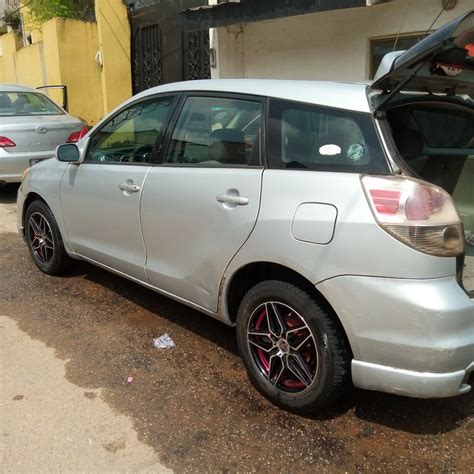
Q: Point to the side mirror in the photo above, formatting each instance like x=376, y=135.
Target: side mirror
x=68, y=153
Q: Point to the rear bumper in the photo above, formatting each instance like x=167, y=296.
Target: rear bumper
x=410, y=383
x=12, y=165
x=410, y=337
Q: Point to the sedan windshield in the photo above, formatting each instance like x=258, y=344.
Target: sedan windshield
x=27, y=103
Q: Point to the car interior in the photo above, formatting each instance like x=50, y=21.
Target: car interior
x=227, y=135
x=26, y=103
x=316, y=138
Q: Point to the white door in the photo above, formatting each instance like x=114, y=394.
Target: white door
x=100, y=198
x=201, y=204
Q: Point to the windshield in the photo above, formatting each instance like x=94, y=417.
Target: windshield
x=27, y=103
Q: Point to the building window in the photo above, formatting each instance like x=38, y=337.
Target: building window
x=380, y=47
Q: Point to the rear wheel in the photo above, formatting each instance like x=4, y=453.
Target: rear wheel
x=44, y=239
x=294, y=353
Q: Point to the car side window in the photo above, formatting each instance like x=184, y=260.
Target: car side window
x=306, y=136
x=130, y=136
x=216, y=131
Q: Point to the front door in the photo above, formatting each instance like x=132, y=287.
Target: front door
x=100, y=198
x=200, y=205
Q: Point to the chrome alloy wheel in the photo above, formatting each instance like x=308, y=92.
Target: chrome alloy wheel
x=283, y=347
x=40, y=236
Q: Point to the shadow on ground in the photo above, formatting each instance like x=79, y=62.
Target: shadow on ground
x=8, y=193
x=401, y=413
x=194, y=405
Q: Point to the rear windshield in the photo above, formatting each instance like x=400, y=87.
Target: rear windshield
x=27, y=103
x=311, y=137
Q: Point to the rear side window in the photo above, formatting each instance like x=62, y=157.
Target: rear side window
x=305, y=136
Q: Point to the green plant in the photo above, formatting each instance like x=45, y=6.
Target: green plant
x=43, y=10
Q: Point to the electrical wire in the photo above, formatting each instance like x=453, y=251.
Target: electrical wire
x=436, y=19
x=401, y=26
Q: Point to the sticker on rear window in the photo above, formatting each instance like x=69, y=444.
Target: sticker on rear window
x=355, y=152
x=330, y=150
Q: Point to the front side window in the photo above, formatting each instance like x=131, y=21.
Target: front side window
x=214, y=131
x=304, y=136
x=130, y=136
x=27, y=103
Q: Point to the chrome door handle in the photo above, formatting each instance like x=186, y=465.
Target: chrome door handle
x=230, y=199
x=130, y=188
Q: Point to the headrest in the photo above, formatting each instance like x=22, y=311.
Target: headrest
x=233, y=135
x=5, y=101
x=227, y=145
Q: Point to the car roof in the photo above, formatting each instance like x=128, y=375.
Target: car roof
x=344, y=95
x=16, y=88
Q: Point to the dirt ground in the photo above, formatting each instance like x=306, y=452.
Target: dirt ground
x=189, y=408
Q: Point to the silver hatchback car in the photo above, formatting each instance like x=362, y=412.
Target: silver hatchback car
x=329, y=222
x=31, y=127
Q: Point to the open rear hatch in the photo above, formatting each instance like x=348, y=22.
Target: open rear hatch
x=443, y=62
x=426, y=95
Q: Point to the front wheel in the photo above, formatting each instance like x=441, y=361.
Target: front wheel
x=294, y=353
x=44, y=239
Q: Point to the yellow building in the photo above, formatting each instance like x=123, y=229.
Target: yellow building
x=91, y=58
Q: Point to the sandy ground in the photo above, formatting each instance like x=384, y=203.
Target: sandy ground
x=49, y=424
x=69, y=344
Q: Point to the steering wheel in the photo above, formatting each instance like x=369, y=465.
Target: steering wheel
x=141, y=154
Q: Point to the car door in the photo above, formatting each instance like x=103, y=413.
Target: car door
x=201, y=203
x=100, y=197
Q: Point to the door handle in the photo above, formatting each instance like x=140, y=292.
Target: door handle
x=230, y=199
x=129, y=188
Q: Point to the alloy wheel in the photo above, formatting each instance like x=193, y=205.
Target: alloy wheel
x=41, y=238
x=283, y=347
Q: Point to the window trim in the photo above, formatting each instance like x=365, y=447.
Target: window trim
x=218, y=95
x=159, y=139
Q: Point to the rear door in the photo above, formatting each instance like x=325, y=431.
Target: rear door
x=200, y=205
x=100, y=198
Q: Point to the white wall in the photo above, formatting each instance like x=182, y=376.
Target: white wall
x=327, y=45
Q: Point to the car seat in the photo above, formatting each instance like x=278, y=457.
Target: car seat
x=227, y=146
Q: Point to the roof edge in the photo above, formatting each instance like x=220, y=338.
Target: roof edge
x=246, y=11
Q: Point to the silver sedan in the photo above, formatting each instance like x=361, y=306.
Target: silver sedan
x=31, y=127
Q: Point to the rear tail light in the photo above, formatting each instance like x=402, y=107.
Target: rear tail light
x=416, y=213
x=76, y=136
x=6, y=143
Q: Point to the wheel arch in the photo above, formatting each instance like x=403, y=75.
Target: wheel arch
x=31, y=197
x=253, y=273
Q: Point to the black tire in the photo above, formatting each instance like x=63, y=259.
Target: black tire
x=326, y=357
x=46, y=245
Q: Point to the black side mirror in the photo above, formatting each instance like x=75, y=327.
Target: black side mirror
x=68, y=153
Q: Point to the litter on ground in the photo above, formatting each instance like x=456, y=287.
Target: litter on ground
x=163, y=342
